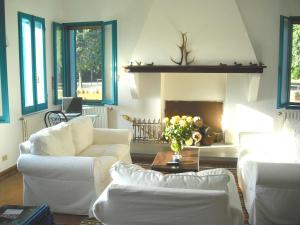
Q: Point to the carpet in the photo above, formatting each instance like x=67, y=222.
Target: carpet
x=93, y=221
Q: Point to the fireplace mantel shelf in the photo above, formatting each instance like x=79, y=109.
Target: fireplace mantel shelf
x=195, y=69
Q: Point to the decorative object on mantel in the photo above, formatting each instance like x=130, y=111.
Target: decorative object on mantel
x=139, y=63
x=221, y=68
x=183, y=51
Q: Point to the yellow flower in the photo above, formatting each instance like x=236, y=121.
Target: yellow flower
x=184, y=117
x=189, y=119
x=189, y=141
x=198, y=121
x=182, y=123
x=166, y=120
x=175, y=119
x=197, y=137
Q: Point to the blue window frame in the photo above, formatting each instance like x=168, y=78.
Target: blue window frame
x=32, y=63
x=289, y=63
x=89, y=61
x=58, y=63
x=4, y=105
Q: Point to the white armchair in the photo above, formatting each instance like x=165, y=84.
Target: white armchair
x=269, y=176
x=69, y=177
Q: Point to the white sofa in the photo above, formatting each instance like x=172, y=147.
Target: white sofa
x=143, y=197
x=67, y=165
x=269, y=175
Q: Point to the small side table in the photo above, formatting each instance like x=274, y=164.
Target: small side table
x=31, y=215
x=188, y=163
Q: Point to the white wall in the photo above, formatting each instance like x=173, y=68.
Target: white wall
x=148, y=30
x=11, y=133
x=194, y=87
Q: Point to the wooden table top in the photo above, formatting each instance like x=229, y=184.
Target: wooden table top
x=189, y=161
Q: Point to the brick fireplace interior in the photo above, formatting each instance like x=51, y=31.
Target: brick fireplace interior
x=210, y=112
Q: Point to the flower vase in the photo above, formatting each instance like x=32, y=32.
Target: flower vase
x=176, y=157
x=176, y=147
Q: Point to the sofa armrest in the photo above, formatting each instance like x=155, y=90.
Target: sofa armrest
x=280, y=175
x=54, y=167
x=112, y=136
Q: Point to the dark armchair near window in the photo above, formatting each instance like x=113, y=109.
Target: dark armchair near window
x=52, y=118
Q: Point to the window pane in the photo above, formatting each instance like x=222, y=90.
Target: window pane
x=108, y=63
x=72, y=63
x=27, y=62
x=88, y=63
x=39, y=54
x=59, y=62
x=1, y=111
x=295, y=65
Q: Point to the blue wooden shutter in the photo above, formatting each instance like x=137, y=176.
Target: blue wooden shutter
x=110, y=88
x=284, y=62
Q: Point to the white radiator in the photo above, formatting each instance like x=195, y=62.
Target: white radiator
x=99, y=115
x=31, y=124
x=291, y=114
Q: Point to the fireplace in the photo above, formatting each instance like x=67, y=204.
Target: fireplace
x=210, y=111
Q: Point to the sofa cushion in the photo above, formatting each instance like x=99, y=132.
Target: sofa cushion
x=130, y=174
x=55, y=141
x=117, y=150
x=82, y=132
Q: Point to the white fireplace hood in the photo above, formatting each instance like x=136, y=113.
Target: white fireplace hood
x=216, y=34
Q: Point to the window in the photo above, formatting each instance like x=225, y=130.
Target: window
x=85, y=61
x=289, y=63
x=4, y=106
x=32, y=63
x=58, y=62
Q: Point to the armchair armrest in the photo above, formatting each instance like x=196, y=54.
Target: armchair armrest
x=112, y=136
x=280, y=175
x=54, y=167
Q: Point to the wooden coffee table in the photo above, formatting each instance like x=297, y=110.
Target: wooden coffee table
x=189, y=161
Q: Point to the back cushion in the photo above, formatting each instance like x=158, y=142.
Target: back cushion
x=82, y=132
x=56, y=141
x=131, y=174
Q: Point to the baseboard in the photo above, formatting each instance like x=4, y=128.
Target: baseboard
x=8, y=172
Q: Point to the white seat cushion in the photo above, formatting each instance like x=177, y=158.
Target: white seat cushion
x=82, y=132
x=54, y=141
x=130, y=174
x=117, y=150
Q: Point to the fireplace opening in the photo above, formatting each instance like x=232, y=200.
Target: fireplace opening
x=210, y=112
